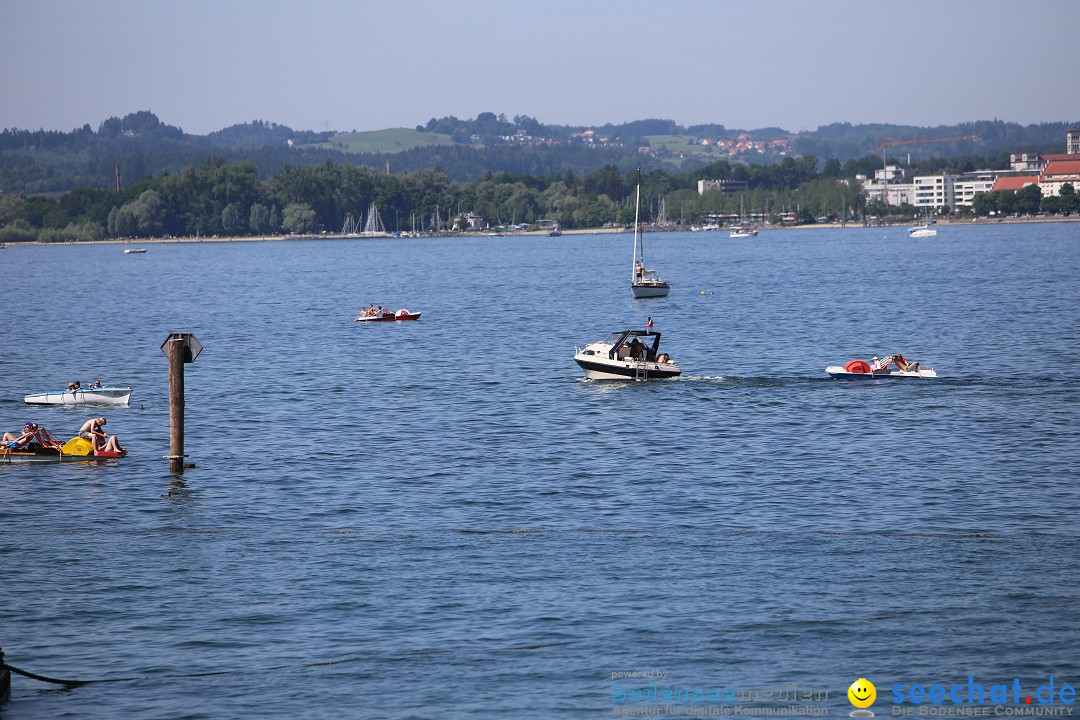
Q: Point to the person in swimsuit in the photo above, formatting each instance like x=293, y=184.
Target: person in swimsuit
x=92, y=431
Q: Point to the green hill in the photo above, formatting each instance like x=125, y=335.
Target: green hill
x=394, y=140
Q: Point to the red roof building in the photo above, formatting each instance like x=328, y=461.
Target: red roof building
x=1058, y=173
x=1014, y=182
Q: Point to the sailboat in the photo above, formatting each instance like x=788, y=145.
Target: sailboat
x=743, y=230
x=923, y=230
x=374, y=224
x=643, y=283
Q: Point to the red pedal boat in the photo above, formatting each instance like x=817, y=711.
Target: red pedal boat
x=388, y=316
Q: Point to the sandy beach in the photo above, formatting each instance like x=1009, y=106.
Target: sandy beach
x=535, y=233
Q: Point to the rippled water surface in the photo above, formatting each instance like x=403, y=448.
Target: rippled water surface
x=443, y=519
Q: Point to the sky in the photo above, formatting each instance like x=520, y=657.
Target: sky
x=203, y=65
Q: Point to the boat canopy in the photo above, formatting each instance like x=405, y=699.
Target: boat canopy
x=618, y=338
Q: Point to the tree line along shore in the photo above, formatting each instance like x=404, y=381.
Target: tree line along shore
x=217, y=198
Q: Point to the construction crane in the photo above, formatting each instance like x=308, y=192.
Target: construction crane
x=891, y=143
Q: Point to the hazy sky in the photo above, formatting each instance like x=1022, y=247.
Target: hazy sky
x=339, y=64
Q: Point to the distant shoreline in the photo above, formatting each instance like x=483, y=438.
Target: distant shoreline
x=532, y=233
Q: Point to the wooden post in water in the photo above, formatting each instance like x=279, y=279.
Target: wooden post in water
x=179, y=348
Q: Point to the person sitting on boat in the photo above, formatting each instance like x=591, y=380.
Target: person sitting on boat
x=74, y=386
x=92, y=431
x=32, y=434
x=96, y=384
x=903, y=365
x=637, y=349
x=363, y=313
x=13, y=441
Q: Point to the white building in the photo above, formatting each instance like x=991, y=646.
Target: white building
x=890, y=173
x=1025, y=162
x=898, y=193
x=968, y=184
x=1072, y=141
x=728, y=187
x=955, y=191
x=934, y=191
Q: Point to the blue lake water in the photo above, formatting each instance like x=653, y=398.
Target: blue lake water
x=443, y=519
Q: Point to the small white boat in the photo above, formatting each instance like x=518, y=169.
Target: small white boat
x=643, y=282
x=743, y=232
x=862, y=370
x=616, y=359
x=921, y=231
x=114, y=396
x=134, y=251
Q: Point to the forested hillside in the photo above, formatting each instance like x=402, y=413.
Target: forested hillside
x=37, y=162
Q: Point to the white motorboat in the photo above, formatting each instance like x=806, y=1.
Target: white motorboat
x=862, y=370
x=643, y=282
x=921, y=231
x=626, y=355
x=115, y=396
x=134, y=251
x=743, y=232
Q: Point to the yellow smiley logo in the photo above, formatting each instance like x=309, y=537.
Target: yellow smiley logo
x=862, y=693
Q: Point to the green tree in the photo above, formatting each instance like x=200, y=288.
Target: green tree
x=1028, y=200
x=259, y=219
x=299, y=218
x=982, y=203
x=122, y=222
x=149, y=213
x=231, y=219
x=1070, y=201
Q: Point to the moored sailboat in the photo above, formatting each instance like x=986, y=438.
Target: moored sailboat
x=643, y=282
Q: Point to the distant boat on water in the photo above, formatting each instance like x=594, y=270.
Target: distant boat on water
x=134, y=251
x=643, y=282
x=743, y=232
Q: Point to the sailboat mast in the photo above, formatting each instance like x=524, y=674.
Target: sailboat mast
x=637, y=208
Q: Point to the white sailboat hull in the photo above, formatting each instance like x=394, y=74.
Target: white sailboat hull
x=650, y=290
